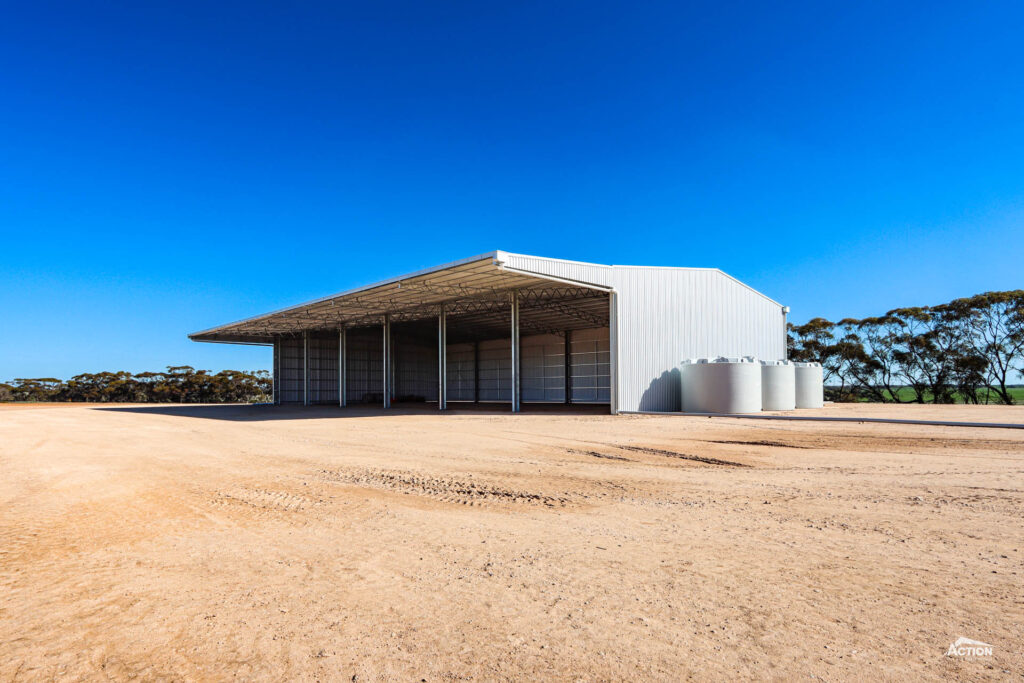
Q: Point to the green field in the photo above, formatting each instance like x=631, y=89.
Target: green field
x=1017, y=392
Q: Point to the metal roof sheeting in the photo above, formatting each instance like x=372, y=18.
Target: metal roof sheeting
x=476, y=291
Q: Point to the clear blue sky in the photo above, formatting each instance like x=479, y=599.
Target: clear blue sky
x=166, y=167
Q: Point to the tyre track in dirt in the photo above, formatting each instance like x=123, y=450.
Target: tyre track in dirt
x=446, y=489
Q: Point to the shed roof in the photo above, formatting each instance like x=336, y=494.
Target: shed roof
x=555, y=295
x=478, y=288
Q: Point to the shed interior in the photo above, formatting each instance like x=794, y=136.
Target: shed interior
x=571, y=365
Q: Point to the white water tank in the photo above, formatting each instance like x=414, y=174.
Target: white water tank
x=778, y=385
x=721, y=385
x=810, y=389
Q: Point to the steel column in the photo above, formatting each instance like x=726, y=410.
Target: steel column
x=568, y=367
x=342, y=361
x=515, y=351
x=442, y=360
x=476, y=372
x=613, y=352
x=785, y=333
x=386, y=379
x=305, y=368
x=275, y=380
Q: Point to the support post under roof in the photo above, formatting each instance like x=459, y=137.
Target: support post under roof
x=342, y=362
x=613, y=352
x=442, y=359
x=386, y=379
x=515, y=351
x=476, y=371
x=305, y=368
x=568, y=368
x=277, y=372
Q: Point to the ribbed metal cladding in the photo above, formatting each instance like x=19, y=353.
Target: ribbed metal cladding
x=415, y=369
x=323, y=369
x=364, y=366
x=290, y=370
x=664, y=315
x=461, y=365
x=495, y=371
x=590, y=366
x=543, y=369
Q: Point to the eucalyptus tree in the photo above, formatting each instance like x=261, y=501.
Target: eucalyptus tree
x=995, y=324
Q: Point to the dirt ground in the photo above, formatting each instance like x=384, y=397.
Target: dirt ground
x=221, y=542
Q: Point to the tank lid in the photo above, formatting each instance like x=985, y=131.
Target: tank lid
x=777, y=362
x=719, y=359
x=810, y=364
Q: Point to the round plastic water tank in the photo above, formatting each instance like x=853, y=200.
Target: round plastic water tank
x=810, y=390
x=778, y=385
x=722, y=385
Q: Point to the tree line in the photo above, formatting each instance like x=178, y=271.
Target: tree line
x=968, y=350
x=179, y=384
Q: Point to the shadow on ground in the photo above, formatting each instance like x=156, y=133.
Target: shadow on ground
x=261, y=412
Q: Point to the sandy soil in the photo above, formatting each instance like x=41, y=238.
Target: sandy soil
x=266, y=543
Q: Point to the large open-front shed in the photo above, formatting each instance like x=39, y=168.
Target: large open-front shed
x=513, y=329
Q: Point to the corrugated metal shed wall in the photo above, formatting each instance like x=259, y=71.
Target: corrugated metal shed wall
x=590, y=374
x=364, y=373
x=543, y=368
x=667, y=314
x=415, y=369
x=323, y=369
x=291, y=370
x=461, y=365
x=495, y=371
